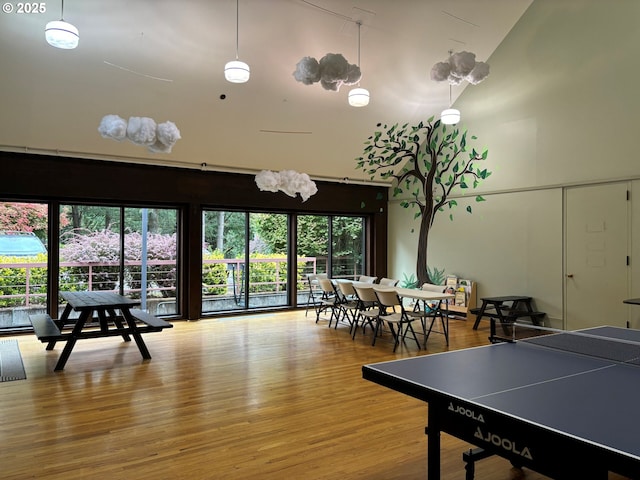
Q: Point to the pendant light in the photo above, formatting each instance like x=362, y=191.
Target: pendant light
x=237, y=71
x=450, y=116
x=61, y=34
x=359, y=97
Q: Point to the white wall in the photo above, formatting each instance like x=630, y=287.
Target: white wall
x=559, y=108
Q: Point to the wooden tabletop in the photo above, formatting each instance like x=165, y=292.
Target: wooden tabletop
x=507, y=298
x=97, y=300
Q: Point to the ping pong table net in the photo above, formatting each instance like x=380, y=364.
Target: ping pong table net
x=581, y=342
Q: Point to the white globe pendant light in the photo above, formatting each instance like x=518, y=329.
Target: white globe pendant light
x=450, y=116
x=236, y=71
x=61, y=34
x=358, y=97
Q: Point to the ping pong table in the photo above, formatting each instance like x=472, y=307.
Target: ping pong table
x=566, y=404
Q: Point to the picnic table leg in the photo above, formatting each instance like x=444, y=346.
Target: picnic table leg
x=479, y=316
x=60, y=324
x=71, y=340
x=118, y=324
x=137, y=336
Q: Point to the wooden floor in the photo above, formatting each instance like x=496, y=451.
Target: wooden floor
x=272, y=396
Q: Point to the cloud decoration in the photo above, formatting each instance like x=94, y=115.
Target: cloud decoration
x=143, y=131
x=114, y=127
x=332, y=71
x=167, y=134
x=459, y=67
x=287, y=181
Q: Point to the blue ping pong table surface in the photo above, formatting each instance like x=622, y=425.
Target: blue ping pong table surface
x=591, y=401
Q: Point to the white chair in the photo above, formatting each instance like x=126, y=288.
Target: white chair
x=389, y=299
x=314, y=290
x=328, y=300
x=367, y=279
x=368, y=310
x=347, y=302
x=389, y=282
x=429, y=311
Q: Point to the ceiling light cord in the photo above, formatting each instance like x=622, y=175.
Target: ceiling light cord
x=359, y=25
x=237, y=27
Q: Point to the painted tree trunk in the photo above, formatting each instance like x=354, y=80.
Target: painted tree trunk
x=423, y=240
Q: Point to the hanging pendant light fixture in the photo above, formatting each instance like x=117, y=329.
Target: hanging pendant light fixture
x=61, y=34
x=359, y=97
x=450, y=116
x=236, y=71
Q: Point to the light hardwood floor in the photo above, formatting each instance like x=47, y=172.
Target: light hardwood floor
x=269, y=396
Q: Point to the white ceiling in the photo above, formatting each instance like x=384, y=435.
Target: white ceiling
x=165, y=60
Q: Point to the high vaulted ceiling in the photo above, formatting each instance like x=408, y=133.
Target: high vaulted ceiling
x=165, y=60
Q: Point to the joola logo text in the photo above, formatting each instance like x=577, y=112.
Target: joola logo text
x=466, y=412
x=504, y=443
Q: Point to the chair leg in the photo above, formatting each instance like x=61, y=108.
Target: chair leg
x=409, y=326
x=445, y=327
x=311, y=301
x=396, y=335
x=375, y=334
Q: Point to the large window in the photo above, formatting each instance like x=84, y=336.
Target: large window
x=347, y=247
x=332, y=245
x=247, y=261
x=244, y=261
x=129, y=250
x=23, y=262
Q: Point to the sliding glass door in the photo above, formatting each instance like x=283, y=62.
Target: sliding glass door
x=347, y=247
x=128, y=250
x=244, y=262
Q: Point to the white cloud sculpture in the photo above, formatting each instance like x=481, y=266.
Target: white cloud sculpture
x=332, y=71
x=459, y=67
x=287, y=181
x=158, y=138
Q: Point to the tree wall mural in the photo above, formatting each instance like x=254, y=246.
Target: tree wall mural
x=428, y=162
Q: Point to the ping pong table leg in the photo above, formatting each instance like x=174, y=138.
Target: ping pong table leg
x=433, y=443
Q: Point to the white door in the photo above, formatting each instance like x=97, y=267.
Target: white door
x=596, y=271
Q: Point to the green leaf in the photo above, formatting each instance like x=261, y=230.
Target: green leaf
x=451, y=217
x=417, y=214
x=479, y=198
x=485, y=154
x=463, y=185
x=453, y=203
x=469, y=209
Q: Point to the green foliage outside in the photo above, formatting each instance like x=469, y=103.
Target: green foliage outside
x=214, y=274
x=13, y=281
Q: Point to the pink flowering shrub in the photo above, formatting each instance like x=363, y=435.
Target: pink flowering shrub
x=104, y=247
